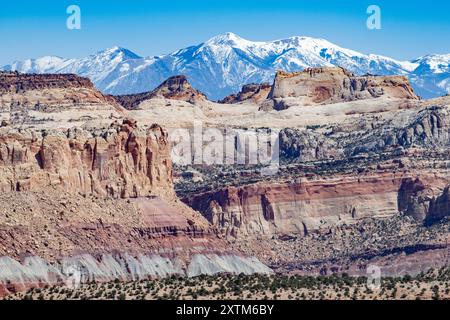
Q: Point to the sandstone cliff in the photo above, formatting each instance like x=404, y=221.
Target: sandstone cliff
x=316, y=86
x=19, y=83
x=304, y=206
x=255, y=93
x=53, y=101
x=101, y=202
x=123, y=161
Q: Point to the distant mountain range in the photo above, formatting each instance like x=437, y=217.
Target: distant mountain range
x=221, y=65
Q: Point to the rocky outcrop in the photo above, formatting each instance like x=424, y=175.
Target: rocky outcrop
x=428, y=202
x=253, y=92
x=439, y=207
x=122, y=161
x=429, y=128
x=303, y=206
x=19, y=83
x=414, y=198
x=104, y=240
x=100, y=202
x=317, y=86
x=53, y=101
x=82, y=185
x=307, y=145
x=426, y=128
x=45, y=90
x=175, y=88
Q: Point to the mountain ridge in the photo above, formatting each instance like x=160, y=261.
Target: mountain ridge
x=223, y=64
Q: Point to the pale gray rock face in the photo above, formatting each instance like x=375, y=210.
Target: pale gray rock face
x=77, y=270
x=307, y=145
x=428, y=127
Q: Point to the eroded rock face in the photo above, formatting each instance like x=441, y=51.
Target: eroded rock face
x=123, y=161
x=430, y=128
x=44, y=91
x=414, y=198
x=53, y=101
x=439, y=207
x=425, y=128
x=101, y=201
x=299, y=207
x=315, y=86
x=19, y=83
x=48, y=234
x=83, y=185
x=255, y=93
x=175, y=88
x=307, y=145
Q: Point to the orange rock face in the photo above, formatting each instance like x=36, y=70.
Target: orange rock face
x=123, y=161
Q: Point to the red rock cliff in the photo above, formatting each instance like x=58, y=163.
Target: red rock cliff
x=267, y=209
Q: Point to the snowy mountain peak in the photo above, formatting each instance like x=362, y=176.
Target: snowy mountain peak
x=228, y=38
x=117, y=51
x=436, y=63
x=40, y=65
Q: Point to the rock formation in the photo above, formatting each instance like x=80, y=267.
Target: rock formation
x=19, y=83
x=307, y=145
x=85, y=188
x=32, y=90
x=439, y=207
x=53, y=101
x=316, y=86
x=122, y=161
x=253, y=92
x=304, y=206
x=175, y=88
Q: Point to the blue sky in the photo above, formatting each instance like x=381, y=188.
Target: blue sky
x=36, y=28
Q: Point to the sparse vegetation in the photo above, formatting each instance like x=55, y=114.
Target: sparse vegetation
x=429, y=285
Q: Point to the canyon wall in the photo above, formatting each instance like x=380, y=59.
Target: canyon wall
x=102, y=203
x=19, y=83
x=123, y=161
x=303, y=206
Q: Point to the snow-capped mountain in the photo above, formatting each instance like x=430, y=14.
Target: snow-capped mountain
x=432, y=75
x=224, y=63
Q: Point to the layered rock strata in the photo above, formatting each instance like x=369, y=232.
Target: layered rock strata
x=307, y=205
x=100, y=203
x=122, y=161
x=87, y=192
x=317, y=86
